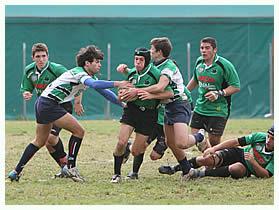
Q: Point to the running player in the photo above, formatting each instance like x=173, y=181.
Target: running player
x=49, y=110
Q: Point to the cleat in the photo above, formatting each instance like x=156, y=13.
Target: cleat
x=61, y=175
x=116, y=178
x=203, y=145
x=72, y=173
x=166, y=170
x=13, y=176
x=132, y=176
x=127, y=152
x=187, y=177
x=195, y=173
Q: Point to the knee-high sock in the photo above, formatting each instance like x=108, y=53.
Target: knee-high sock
x=117, y=164
x=28, y=153
x=74, y=145
x=218, y=172
x=185, y=166
x=137, y=162
x=59, y=155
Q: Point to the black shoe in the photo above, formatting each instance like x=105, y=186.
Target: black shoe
x=127, y=152
x=132, y=175
x=167, y=170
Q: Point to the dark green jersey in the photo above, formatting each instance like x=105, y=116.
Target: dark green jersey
x=149, y=76
x=33, y=79
x=188, y=94
x=256, y=146
x=217, y=76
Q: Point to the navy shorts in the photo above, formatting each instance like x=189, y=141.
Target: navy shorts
x=48, y=110
x=213, y=125
x=68, y=106
x=143, y=120
x=177, y=112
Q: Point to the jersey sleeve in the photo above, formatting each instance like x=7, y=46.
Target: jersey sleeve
x=26, y=84
x=198, y=61
x=60, y=69
x=250, y=139
x=270, y=166
x=81, y=77
x=231, y=75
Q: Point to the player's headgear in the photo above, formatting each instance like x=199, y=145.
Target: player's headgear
x=141, y=51
x=270, y=131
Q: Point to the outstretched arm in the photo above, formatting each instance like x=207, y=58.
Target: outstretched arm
x=109, y=95
x=224, y=145
x=104, y=84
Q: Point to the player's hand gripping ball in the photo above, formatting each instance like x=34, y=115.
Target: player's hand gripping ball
x=127, y=94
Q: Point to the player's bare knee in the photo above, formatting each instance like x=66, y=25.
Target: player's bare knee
x=237, y=170
x=155, y=156
x=182, y=145
x=137, y=151
x=78, y=132
x=122, y=142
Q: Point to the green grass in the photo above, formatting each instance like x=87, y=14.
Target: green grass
x=95, y=162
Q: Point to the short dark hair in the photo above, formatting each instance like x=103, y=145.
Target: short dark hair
x=211, y=41
x=88, y=53
x=39, y=47
x=163, y=44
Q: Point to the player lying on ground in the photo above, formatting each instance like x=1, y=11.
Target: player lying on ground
x=228, y=159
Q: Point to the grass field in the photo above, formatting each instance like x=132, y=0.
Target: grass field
x=95, y=162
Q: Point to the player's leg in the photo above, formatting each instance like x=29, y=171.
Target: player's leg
x=118, y=154
x=42, y=133
x=137, y=150
x=215, y=127
x=178, y=153
x=160, y=146
x=55, y=147
x=69, y=123
x=224, y=163
x=199, y=122
x=54, y=143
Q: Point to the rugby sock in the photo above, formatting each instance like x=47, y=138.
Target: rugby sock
x=117, y=164
x=28, y=153
x=59, y=155
x=218, y=172
x=177, y=168
x=198, y=137
x=193, y=163
x=185, y=166
x=74, y=145
x=137, y=162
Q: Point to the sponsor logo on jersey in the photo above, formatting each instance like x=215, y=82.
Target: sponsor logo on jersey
x=134, y=81
x=200, y=69
x=47, y=79
x=34, y=78
x=147, y=82
x=214, y=71
x=206, y=79
x=40, y=86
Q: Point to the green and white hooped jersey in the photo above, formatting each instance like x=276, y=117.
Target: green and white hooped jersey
x=67, y=86
x=217, y=76
x=169, y=69
x=256, y=146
